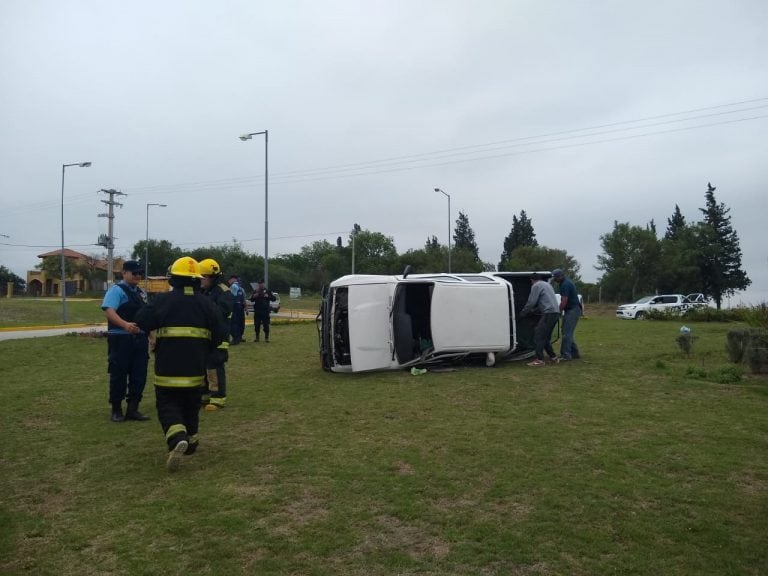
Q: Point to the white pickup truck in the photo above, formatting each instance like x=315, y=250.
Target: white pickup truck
x=371, y=322
x=667, y=303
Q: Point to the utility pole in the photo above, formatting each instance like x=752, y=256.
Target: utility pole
x=108, y=241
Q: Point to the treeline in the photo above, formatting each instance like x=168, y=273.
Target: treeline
x=702, y=256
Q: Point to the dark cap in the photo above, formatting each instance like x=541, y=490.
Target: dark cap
x=557, y=273
x=233, y=276
x=133, y=266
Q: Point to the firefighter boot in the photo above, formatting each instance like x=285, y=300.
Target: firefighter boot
x=117, y=412
x=132, y=413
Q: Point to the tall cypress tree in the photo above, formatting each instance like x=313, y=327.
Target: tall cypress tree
x=720, y=253
x=675, y=225
x=464, y=236
x=521, y=234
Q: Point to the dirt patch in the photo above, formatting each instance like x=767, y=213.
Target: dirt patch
x=390, y=533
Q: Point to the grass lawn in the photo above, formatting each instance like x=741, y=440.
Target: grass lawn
x=635, y=460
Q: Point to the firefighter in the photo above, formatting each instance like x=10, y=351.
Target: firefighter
x=213, y=286
x=127, y=345
x=188, y=328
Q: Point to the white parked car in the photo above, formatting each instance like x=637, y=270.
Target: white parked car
x=371, y=322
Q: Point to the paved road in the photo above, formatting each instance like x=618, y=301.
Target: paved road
x=7, y=334
x=39, y=333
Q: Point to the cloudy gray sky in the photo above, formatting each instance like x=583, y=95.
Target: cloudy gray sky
x=579, y=112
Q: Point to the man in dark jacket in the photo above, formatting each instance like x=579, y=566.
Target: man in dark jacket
x=188, y=327
x=261, y=299
x=570, y=307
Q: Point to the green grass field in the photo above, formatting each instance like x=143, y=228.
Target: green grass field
x=635, y=460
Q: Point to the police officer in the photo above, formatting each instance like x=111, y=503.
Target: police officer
x=127, y=344
x=213, y=286
x=188, y=328
x=237, y=325
x=261, y=298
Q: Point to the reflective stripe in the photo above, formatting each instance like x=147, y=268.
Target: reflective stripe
x=179, y=381
x=218, y=401
x=223, y=346
x=175, y=429
x=183, y=332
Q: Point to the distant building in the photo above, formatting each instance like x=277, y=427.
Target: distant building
x=38, y=284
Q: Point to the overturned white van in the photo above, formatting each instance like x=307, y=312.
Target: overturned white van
x=371, y=322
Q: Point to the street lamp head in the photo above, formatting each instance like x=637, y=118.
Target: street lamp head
x=438, y=190
x=84, y=164
x=163, y=205
x=245, y=137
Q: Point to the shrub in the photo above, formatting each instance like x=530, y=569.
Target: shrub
x=685, y=342
x=756, y=316
x=757, y=352
x=696, y=372
x=736, y=344
x=729, y=374
x=706, y=314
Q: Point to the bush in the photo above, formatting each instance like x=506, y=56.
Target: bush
x=757, y=352
x=685, y=342
x=728, y=374
x=749, y=345
x=706, y=314
x=736, y=344
x=756, y=316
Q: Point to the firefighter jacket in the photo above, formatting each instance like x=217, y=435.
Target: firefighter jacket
x=188, y=327
x=221, y=296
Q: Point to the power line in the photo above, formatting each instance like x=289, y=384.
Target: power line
x=303, y=175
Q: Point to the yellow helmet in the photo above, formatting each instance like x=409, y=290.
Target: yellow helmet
x=185, y=266
x=209, y=267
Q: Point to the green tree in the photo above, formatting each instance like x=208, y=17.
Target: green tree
x=521, y=234
x=720, y=253
x=19, y=284
x=630, y=261
x=675, y=225
x=375, y=253
x=51, y=265
x=464, y=237
x=431, y=258
x=162, y=254
x=679, y=256
x=541, y=258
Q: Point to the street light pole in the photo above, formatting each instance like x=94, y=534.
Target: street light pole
x=245, y=137
x=63, y=283
x=449, y=226
x=146, y=247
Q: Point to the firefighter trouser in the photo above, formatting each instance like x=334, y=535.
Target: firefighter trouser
x=216, y=377
x=127, y=360
x=178, y=410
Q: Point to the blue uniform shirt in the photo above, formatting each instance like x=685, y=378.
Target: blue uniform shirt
x=114, y=298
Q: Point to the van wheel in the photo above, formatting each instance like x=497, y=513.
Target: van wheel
x=640, y=316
